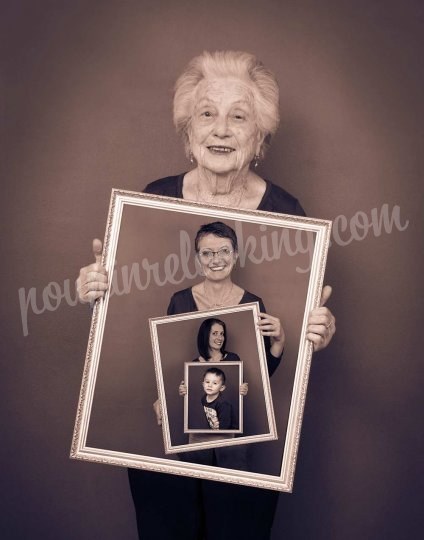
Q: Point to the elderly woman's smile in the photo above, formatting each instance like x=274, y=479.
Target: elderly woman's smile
x=221, y=149
x=224, y=137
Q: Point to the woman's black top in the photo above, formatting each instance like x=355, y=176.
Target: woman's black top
x=183, y=302
x=275, y=198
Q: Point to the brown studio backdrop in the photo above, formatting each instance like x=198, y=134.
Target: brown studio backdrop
x=87, y=108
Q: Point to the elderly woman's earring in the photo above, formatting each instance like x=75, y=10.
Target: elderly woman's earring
x=191, y=157
x=256, y=161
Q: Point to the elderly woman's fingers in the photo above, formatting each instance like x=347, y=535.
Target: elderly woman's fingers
x=325, y=295
x=318, y=341
x=321, y=334
x=321, y=323
x=326, y=319
x=95, y=274
x=320, y=315
x=92, y=281
x=92, y=296
x=97, y=250
x=88, y=291
x=319, y=329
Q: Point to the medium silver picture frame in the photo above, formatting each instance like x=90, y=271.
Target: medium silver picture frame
x=241, y=323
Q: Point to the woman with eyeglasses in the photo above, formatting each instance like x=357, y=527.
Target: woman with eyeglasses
x=217, y=252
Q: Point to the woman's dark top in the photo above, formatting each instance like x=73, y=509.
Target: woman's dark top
x=183, y=302
x=275, y=199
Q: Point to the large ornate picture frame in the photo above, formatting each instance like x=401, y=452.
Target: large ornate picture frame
x=149, y=255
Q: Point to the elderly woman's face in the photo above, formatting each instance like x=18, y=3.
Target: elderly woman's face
x=216, y=256
x=223, y=135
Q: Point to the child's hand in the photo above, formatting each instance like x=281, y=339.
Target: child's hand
x=158, y=412
x=244, y=387
x=182, y=389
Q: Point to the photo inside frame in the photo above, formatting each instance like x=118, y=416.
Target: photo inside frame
x=187, y=420
x=202, y=417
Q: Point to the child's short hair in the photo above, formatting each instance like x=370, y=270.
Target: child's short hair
x=215, y=371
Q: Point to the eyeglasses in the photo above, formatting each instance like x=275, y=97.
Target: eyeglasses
x=208, y=254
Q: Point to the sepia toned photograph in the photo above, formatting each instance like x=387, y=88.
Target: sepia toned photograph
x=279, y=108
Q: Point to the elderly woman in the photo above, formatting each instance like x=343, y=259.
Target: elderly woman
x=226, y=109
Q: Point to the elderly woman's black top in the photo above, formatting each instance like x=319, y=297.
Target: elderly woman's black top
x=275, y=199
x=149, y=489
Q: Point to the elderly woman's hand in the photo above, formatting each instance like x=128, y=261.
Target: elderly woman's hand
x=182, y=389
x=92, y=281
x=271, y=326
x=321, y=323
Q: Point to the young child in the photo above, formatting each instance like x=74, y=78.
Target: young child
x=218, y=411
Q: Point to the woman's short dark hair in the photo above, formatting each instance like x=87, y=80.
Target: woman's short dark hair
x=204, y=333
x=217, y=228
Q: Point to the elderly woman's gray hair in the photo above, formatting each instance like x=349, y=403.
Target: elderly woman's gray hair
x=238, y=64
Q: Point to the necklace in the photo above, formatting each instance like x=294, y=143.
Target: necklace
x=222, y=301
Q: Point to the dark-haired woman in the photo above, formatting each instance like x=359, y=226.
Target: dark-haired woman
x=216, y=250
x=211, y=344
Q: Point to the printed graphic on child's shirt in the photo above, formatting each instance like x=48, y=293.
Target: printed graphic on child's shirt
x=212, y=417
